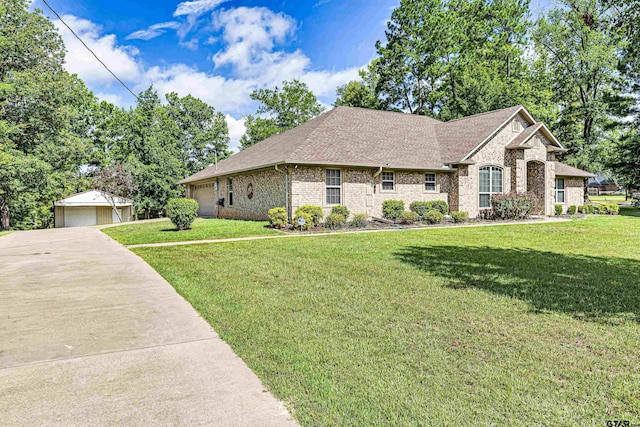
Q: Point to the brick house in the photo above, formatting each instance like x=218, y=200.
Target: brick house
x=359, y=158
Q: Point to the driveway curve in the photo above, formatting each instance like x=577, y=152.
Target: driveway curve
x=91, y=335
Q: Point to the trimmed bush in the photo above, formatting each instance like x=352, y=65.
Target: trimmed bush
x=359, y=221
x=583, y=209
x=636, y=201
x=334, y=221
x=572, y=210
x=487, y=214
x=591, y=209
x=340, y=210
x=409, y=217
x=513, y=205
x=314, y=211
x=308, y=220
x=277, y=217
x=182, y=212
x=609, y=209
x=392, y=209
x=420, y=207
x=461, y=216
x=434, y=217
x=558, y=209
x=439, y=205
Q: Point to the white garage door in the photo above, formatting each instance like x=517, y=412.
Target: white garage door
x=205, y=195
x=79, y=216
x=116, y=216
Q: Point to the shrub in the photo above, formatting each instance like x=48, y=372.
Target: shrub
x=571, y=210
x=636, y=201
x=182, y=212
x=583, y=209
x=392, y=209
x=334, y=221
x=513, y=205
x=609, y=209
x=308, y=220
x=277, y=217
x=591, y=209
x=434, y=217
x=439, y=205
x=314, y=211
x=359, y=221
x=558, y=209
x=409, y=217
x=420, y=207
x=461, y=216
x=486, y=214
x=340, y=210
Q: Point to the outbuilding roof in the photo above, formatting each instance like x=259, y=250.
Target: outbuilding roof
x=93, y=198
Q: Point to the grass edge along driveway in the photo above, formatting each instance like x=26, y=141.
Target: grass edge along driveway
x=530, y=325
x=202, y=229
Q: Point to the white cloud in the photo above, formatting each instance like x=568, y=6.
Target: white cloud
x=109, y=97
x=121, y=59
x=196, y=7
x=250, y=35
x=324, y=83
x=236, y=130
x=153, y=31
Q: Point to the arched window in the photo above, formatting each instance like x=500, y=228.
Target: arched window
x=490, y=178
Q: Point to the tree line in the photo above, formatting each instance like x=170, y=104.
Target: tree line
x=574, y=67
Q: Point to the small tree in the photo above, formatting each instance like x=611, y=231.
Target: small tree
x=115, y=182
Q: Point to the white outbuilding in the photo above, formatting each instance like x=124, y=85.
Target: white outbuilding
x=91, y=208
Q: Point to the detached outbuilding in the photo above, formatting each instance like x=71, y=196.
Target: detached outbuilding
x=91, y=208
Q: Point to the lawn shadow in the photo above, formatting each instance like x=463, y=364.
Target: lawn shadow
x=586, y=287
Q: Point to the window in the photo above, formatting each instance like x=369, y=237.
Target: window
x=230, y=191
x=515, y=126
x=388, y=180
x=333, y=186
x=559, y=190
x=490, y=183
x=430, y=182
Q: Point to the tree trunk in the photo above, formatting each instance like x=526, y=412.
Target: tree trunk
x=4, y=216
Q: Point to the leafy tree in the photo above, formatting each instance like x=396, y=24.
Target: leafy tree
x=580, y=48
x=203, y=131
x=115, y=181
x=43, y=126
x=359, y=93
x=280, y=109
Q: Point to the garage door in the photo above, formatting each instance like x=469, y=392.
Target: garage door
x=205, y=195
x=80, y=216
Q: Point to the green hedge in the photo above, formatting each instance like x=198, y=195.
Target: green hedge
x=277, y=217
x=434, y=217
x=334, y=221
x=512, y=205
x=392, y=209
x=315, y=212
x=572, y=210
x=182, y=212
x=340, y=210
x=461, y=216
x=558, y=209
x=359, y=221
x=409, y=217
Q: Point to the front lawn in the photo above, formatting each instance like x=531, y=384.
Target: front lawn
x=203, y=229
x=608, y=198
x=507, y=325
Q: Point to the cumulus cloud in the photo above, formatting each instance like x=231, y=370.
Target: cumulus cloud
x=153, y=31
x=196, y=7
x=121, y=59
x=236, y=130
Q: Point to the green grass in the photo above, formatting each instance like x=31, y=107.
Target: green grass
x=507, y=325
x=203, y=229
x=3, y=233
x=610, y=198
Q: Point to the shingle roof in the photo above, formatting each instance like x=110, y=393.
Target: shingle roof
x=343, y=136
x=362, y=137
x=524, y=135
x=566, y=170
x=461, y=136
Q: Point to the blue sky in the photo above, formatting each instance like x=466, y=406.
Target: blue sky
x=220, y=50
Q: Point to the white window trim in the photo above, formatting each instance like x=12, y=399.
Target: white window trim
x=382, y=181
x=515, y=125
x=324, y=195
x=229, y=192
x=564, y=191
x=424, y=186
x=491, y=192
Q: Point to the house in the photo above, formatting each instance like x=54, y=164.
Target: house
x=360, y=157
x=91, y=208
x=601, y=185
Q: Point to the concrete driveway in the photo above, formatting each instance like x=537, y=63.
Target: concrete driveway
x=91, y=335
